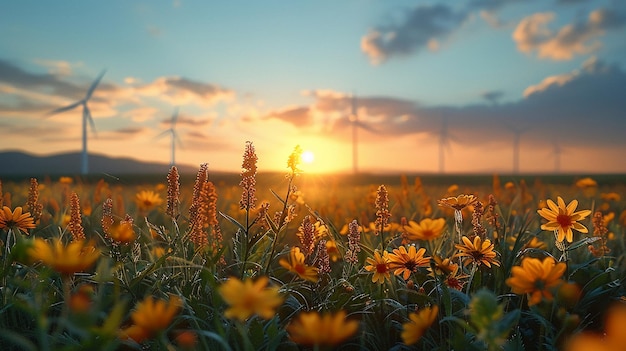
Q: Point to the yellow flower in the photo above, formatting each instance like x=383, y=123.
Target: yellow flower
x=443, y=267
x=66, y=180
x=585, y=183
x=16, y=219
x=536, y=278
x=613, y=196
x=296, y=265
x=379, y=264
x=152, y=316
x=562, y=218
x=327, y=329
x=418, y=324
x=406, y=262
x=147, y=199
x=123, y=232
x=77, y=256
x=248, y=298
x=479, y=252
x=457, y=202
x=427, y=229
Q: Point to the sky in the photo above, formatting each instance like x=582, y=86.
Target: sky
x=436, y=86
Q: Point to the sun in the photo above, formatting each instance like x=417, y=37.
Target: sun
x=307, y=157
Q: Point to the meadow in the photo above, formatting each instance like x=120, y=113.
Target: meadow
x=297, y=261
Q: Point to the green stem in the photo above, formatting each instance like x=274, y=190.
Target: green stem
x=469, y=283
x=283, y=215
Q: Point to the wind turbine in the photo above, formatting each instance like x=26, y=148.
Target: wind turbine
x=87, y=118
x=354, y=120
x=444, y=142
x=175, y=139
x=517, y=134
x=557, y=150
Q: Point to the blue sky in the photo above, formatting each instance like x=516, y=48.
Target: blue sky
x=281, y=73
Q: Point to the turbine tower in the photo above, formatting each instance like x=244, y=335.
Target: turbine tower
x=517, y=134
x=354, y=120
x=87, y=118
x=444, y=143
x=174, y=136
x=557, y=151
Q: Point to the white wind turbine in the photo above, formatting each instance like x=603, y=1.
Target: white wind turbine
x=557, y=150
x=174, y=136
x=353, y=118
x=517, y=134
x=87, y=118
x=444, y=142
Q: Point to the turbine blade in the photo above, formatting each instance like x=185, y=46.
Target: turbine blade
x=163, y=133
x=365, y=126
x=94, y=85
x=87, y=114
x=178, y=141
x=64, y=108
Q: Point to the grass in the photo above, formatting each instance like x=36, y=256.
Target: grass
x=174, y=268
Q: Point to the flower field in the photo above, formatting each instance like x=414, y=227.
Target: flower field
x=301, y=262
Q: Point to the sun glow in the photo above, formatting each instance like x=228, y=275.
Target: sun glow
x=308, y=157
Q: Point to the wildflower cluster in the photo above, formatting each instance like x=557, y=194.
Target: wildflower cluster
x=380, y=267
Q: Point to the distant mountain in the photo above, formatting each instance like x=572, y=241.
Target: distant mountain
x=16, y=163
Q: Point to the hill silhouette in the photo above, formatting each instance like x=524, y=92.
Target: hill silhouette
x=17, y=163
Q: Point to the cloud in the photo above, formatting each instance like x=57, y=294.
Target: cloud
x=186, y=120
x=181, y=91
x=57, y=67
x=154, y=31
x=423, y=27
x=492, y=96
x=533, y=35
x=582, y=107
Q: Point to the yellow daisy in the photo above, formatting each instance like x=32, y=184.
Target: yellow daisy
x=321, y=329
x=404, y=262
x=427, y=229
x=418, y=324
x=563, y=219
x=296, y=265
x=379, y=264
x=536, y=278
x=479, y=252
x=249, y=297
x=77, y=256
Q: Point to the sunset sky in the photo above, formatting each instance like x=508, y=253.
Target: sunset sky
x=281, y=73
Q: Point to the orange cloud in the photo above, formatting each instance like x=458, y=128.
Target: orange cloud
x=532, y=34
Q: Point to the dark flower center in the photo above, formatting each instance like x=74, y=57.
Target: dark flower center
x=381, y=268
x=564, y=220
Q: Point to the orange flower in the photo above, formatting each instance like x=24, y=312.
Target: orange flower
x=151, y=316
x=147, y=200
x=248, y=298
x=16, y=219
x=478, y=252
x=326, y=329
x=443, y=267
x=536, y=278
x=122, y=232
x=406, y=262
x=457, y=202
x=563, y=219
x=296, y=265
x=418, y=324
x=427, y=229
x=379, y=264
x=77, y=256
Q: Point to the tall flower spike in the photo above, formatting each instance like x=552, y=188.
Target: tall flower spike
x=477, y=215
x=76, y=227
x=354, y=242
x=197, y=210
x=382, y=209
x=306, y=234
x=248, y=178
x=294, y=160
x=33, y=206
x=323, y=259
x=107, y=216
x=173, y=192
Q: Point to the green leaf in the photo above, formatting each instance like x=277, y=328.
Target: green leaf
x=233, y=221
